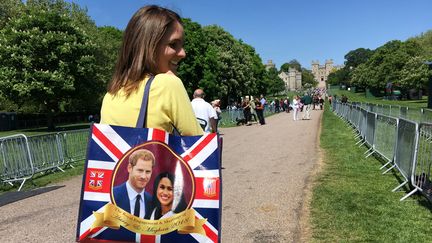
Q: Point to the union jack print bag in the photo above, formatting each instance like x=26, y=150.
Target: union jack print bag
x=107, y=204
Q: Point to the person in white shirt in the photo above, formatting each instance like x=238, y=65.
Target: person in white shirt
x=204, y=112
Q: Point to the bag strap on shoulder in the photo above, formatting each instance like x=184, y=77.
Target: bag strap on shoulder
x=142, y=117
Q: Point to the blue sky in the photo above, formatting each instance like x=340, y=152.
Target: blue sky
x=283, y=30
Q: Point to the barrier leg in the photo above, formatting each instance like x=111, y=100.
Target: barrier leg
x=389, y=169
x=22, y=184
x=368, y=151
x=398, y=187
x=409, y=194
x=373, y=151
x=358, y=136
x=382, y=167
x=58, y=167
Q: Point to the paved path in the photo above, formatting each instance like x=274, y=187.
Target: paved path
x=266, y=171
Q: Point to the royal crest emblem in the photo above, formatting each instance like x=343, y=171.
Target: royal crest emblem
x=96, y=180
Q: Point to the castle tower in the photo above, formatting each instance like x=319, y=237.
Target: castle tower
x=315, y=70
x=328, y=67
x=269, y=65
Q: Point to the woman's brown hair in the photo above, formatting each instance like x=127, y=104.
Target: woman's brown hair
x=141, y=39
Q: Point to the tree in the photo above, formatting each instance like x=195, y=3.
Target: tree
x=357, y=57
x=274, y=82
x=415, y=74
x=9, y=9
x=341, y=76
x=425, y=41
x=308, y=78
x=108, y=40
x=291, y=64
x=191, y=69
x=46, y=59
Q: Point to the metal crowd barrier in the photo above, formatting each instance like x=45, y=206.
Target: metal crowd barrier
x=233, y=115
x=404, y=143
x=22, y=157
x=385, y=137
x=46, y=152
x=423, y=161
x=74, y=144
x=16, y=160
x=405, y=149
x=414, y=114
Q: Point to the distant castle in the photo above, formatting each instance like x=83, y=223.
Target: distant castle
x=269, y=65
x=292, y=78
x=321, y=73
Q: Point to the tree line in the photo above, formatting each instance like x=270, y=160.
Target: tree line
x=398, y=63
x=53, y=58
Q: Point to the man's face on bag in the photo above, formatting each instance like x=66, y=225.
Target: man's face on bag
x=139, y=174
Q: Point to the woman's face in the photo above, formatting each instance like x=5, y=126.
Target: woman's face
x=165, y=192
x=170, y=50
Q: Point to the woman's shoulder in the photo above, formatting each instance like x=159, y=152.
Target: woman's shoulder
x=168, y=79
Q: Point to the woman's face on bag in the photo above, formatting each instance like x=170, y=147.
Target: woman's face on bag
x=165, y=192
x=170, y=50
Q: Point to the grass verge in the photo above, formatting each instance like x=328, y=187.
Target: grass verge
x=360, y=97
x=353, y=202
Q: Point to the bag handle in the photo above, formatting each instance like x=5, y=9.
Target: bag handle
x=142, y=117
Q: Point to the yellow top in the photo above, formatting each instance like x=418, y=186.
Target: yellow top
x=168, y=105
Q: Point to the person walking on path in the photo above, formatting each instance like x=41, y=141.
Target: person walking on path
x=253, y=110
x=204, y=112
x=259, y=108
x=263, y=101
x=216, y=106
x=246, y=111
x=307, y=106
x=296, y=106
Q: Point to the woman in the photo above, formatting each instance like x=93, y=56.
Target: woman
x=216, y=106
x=163, y=197
x=296, y=106
x=246, y=111
x=152, y=47
x=259, y=108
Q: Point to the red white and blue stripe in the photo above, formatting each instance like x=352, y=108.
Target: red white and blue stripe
x=107, y=146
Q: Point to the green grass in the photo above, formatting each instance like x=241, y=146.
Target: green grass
x=353, y=202
x=360, y=97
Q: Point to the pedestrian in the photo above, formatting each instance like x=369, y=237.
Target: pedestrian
x=259, y=108
x=330, y=98
x=296, y=107
x=277, y=105
x=216, y=106
x=321, y=102
x=307, y=106
x=246, y=111
x=204, y=112
x=263, y=101
x=151, y=50
x=253, y=111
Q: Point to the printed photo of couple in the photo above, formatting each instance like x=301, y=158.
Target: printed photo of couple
x=152, y=182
